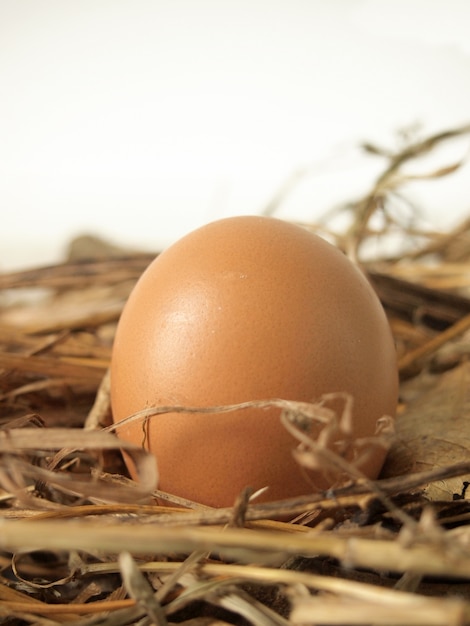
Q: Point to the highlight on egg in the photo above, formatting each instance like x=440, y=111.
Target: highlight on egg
x=248, y=309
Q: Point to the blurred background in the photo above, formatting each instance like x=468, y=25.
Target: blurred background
x=140, y=120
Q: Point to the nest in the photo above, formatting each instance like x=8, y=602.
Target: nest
x=81, y=543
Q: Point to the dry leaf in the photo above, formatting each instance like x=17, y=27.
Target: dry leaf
x=434, y=431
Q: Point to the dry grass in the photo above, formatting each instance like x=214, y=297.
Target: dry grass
x=82, y=544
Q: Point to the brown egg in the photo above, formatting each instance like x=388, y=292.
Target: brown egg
x=247, y=308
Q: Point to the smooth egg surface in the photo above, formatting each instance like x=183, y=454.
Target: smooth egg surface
x=247, y=308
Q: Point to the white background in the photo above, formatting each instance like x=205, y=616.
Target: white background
x=139, y=120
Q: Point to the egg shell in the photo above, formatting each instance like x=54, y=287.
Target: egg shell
x=247, y=308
